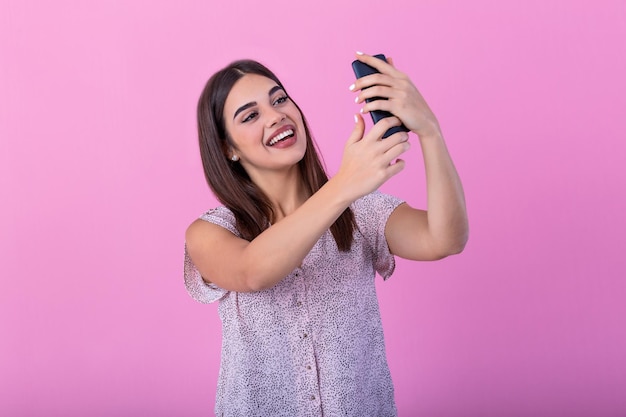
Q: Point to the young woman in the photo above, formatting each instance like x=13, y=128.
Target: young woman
x=292, y=255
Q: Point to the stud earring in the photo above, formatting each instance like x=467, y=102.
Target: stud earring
x=234, y=158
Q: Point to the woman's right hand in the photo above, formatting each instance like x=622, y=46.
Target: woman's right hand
x=368, y=160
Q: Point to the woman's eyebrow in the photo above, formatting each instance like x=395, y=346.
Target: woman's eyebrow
x=244, y=107
x=253, y=103
x=274, y=89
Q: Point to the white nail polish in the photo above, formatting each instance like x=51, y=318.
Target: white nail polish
x=352, y=87
x=356, y=119
x=356, y=99
x=359, y=53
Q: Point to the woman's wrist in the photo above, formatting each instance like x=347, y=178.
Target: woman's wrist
x=430, y=134
x=340, y=190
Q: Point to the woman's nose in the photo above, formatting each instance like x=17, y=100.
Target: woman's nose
x=274, y=117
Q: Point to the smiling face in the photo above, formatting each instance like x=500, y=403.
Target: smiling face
x=264, y=125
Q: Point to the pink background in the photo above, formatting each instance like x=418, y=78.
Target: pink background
x=100, y=175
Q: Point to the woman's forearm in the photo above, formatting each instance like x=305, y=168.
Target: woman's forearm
x=446, y=212
x=282, y=247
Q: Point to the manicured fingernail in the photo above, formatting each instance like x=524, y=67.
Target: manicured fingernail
x=356, y=119
x=356, y=99
x=359, y=53
x=361, y=111
x=352, y=87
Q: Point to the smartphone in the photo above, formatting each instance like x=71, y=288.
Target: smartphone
x=361, y=70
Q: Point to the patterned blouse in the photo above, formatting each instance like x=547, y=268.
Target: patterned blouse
x=313, y=344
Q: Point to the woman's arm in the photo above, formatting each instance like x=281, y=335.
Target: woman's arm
x=235, y=264
x=442, y=229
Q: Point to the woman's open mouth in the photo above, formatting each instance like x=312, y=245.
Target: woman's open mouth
x=280, y=137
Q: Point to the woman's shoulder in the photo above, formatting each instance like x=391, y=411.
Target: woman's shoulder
x=376, y=202
x=220, y=216
x=220, y=212
x=372, y=211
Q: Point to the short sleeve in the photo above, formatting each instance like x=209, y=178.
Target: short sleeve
x=372, y=212
x=198, y=288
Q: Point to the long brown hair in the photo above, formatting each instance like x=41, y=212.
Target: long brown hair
x=230, y=182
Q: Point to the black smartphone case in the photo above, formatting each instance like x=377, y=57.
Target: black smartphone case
x=361, y=70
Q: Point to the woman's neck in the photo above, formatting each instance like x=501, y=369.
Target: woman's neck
x=285, y=190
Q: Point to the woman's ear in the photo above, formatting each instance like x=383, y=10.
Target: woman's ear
x=228, y=150
x=230, y=153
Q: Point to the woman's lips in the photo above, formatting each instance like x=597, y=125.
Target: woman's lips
x=284, y=134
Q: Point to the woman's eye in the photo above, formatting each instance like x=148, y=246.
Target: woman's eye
x=250, y=117
x=281, y=100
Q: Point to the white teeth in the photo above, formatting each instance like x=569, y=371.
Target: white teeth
x=280, y=136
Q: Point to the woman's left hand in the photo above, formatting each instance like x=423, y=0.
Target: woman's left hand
x=403, y=99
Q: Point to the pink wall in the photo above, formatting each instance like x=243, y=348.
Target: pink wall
x=99, y=176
